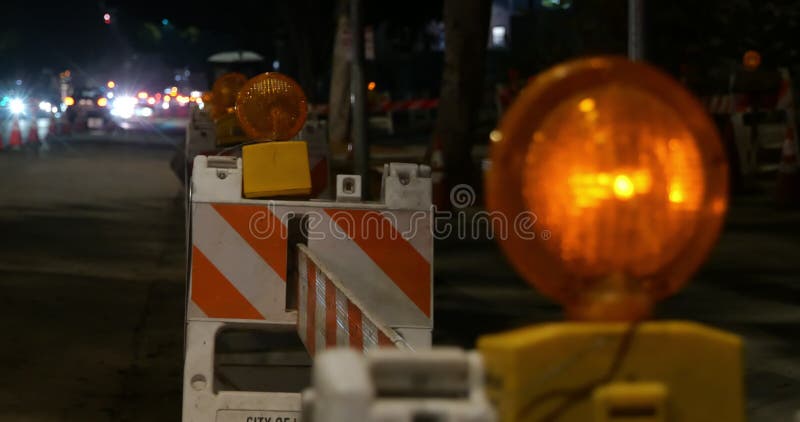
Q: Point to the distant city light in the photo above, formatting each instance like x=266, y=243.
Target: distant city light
x=141, y=95
x=109, y=95
x=17, y=106
x=165, y=105
x=107, y=18
x=19, y=82
x=69, y=101
x=45, y=106
x=102, y=101
x=151, y=101
x=54, y=110
x=195, y=94
x=178, y=78
x=165, y=21
x=498, y=36
x=124, y=107
x=173, y=92
x=111, y=84
x=276, y=64
x=371, y=86
x=144, y=111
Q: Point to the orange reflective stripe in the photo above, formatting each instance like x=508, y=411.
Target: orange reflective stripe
x=330, y=314
x=263, y=232
x=409, y=270
x=383, y=340
x=311, y=308
x=354, y=326
x=214, y=294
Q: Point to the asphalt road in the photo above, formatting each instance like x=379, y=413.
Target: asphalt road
x=92, y=282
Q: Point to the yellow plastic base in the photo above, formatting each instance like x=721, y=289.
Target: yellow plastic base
x=275, y=169
x=659, y=371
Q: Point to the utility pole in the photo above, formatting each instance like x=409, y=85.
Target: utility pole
x=636, y=29
x=358, y=96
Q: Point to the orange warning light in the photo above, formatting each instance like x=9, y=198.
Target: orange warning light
x=272, y=107
x=102, y=101
x=751, y=60
x=69, y=101
x=224, y=93
x=623, y=179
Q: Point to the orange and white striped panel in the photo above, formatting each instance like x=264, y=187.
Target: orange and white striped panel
x=329, y=317
x=238, y=263
x=383, y=257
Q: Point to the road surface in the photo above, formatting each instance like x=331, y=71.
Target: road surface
x=92, y=281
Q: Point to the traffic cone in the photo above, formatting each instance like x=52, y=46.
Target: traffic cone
x=441, y=198
x=788, y=187
x=15, y=139
x=33, y=134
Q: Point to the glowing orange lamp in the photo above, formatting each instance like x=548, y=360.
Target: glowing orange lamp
x=625, y=176
x=751, y=60
x=271, y=107
x=224, y=93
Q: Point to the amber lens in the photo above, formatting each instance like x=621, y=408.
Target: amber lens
x=625, y=177
x=751, y=59
x=224, y=92
x=271, y=107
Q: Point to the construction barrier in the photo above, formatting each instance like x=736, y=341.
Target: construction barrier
x=755, y=126
x=393, y=385
x=371, y=265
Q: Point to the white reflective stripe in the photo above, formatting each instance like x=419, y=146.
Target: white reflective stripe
x=342, y=327
x=415, y=227
x=369, y=332
x=239, y=263
x=364, y=279
x=319, y=318
x=302, y=296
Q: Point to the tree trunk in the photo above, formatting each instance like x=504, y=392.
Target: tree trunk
x=466, y=37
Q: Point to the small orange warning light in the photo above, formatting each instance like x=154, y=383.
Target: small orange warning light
x=751, y=60
x=624, y=181
x=224, y=93
x=272, y=107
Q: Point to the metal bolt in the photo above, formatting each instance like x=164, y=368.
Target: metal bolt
x=198, y=382
x=221, y=174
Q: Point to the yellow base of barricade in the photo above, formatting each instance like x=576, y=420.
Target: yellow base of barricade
x=275, y=169
x=607, y=372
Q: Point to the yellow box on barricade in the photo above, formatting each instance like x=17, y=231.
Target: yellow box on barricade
x=275, y=169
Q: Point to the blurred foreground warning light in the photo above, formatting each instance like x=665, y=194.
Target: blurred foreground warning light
x=623, y=181
x=271, y=107
x=224, y=93
x=751, y=60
